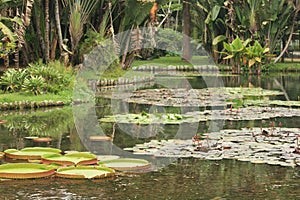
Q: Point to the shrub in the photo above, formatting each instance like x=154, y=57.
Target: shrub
x=34, y=85
x=38, y=78
x=12, y=80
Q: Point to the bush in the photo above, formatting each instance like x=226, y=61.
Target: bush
x=38, y=78
x=12, y=80
x=34, y=85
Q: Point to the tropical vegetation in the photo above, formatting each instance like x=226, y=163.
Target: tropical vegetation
x=67, y=30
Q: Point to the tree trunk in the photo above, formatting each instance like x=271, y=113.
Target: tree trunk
x=6, y=61
x=38, y=30
x=177, y=17
x=186, y=51
x=47, y=29
x=53, y=48
x=58, y=27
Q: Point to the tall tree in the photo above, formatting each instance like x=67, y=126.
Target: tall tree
x=186, y=12
x=47, y=30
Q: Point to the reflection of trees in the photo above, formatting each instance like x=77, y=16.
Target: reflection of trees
x=51, y=123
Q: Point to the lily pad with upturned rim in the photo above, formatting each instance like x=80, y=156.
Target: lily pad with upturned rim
x=127, y=164
x=30, y=153
x=88, y=172
x=25, y=170
x=80, y=158
x=107, y=157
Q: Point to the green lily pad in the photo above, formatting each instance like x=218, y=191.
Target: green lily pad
x=107, y=157
x=30, y=153
x=25, y=170
x=80, y=158
x=127, y=164
x=85, y=172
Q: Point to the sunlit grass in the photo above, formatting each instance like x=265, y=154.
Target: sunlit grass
x=172, y=60
x=65, y=96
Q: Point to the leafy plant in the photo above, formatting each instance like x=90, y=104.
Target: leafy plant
x=12, y=79
x=255, y=54
x=235, y=51
x=34, y=85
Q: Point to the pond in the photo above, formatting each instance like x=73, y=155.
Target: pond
x=171, y=178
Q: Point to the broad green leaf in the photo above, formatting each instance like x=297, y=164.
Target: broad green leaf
x=266, y=50
x=251, y=62
x=228, y=57
x=215, y=12
x=7, y=32
x=218, y=39
x=258, y=59
x=227, y=47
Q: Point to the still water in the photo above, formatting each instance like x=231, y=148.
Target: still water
x=179, y=179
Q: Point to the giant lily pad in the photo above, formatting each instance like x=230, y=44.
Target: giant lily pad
x=127, y=164
x=80, y=158
x=85, y=172
x=25, y=170
x=30, y=153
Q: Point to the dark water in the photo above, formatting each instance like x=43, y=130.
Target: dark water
x=179, y=179
x=185, y=179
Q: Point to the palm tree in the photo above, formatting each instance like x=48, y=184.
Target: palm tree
x=80, y=11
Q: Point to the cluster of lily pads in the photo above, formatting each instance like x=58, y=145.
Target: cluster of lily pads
x=180, y=97
x=40, y=162
x=247, y=113
x=274, y=146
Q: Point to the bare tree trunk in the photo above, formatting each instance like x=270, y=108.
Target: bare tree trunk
x=58, y=27
x=176, y=18
x=53, y=48
x=186, y=51
x=6, y=61
x=47, y=29
x=38, y=30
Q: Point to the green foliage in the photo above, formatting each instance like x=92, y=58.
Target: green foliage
x=243, y=54
x=91, y=40
x=38, y=78
x=256, y=53
x=13, y=79
x=34, y=85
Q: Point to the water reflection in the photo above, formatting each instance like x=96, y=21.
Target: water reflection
x=184, y=179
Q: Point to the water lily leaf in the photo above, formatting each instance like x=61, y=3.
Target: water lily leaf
x=127, y=164
x=25, y=170
x=80, y=158
x=107, y=157
x=30, y=153
x=88, y=172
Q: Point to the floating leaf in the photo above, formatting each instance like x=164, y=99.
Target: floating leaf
x=107, y=157
x=25, y=170
x=88, y=172
x=127, y=164
x=80, y=158
x=30, y=153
